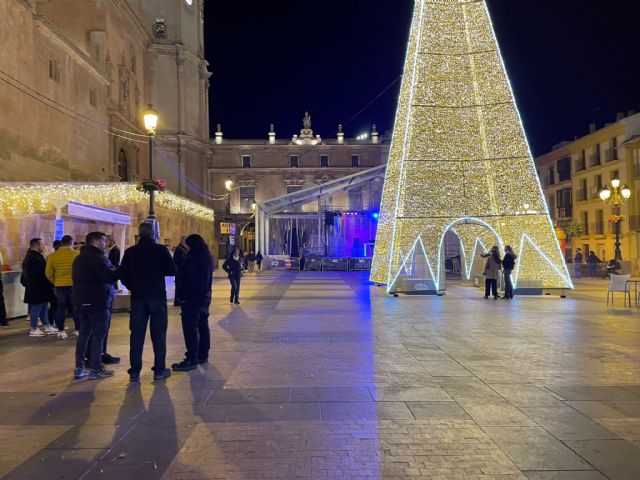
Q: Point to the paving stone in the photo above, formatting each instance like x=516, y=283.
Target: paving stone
x=595, y=410
x=533, y=448
x=494, y=412
x=567, y=424
x=467, y=387
x=249, y=395
x=330, y=394
x=526, y=395
x=564, y=476
x=616, y=459
x=437, y=411
x=593, y=392
x=365, y=411
x=409, y=394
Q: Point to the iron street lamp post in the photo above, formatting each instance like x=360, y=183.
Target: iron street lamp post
x=150, y=123
x=616, y=196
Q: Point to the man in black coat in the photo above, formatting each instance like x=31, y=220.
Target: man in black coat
x=3, y=308
x=93, y=277
x=38, y=290
x=179, y=256
x=143, y=271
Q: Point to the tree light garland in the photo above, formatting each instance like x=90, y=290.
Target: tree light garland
x=33, y=198
x=460, y=159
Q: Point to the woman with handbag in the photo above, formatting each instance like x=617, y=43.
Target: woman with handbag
x=492, y=272
x=233, y=266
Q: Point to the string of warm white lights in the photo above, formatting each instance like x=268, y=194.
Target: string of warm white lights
x=40, y=198
x=459, y=159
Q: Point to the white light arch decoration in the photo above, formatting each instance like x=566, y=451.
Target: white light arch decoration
x=459, y=151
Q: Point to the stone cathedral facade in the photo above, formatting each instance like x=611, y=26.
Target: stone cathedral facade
x=76, y=77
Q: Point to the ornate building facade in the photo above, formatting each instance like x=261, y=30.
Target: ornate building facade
x=572, y=176
x=76, y=77
x=265, y=169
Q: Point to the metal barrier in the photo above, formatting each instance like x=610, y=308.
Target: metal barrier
x=285, y=264
x=335, y=264
x=360, y=264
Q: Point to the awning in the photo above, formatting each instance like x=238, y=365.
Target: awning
x=634, y=139
x=90, y=212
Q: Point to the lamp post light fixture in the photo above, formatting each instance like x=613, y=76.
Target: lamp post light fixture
x=616, y=196
x=150, y=123
x=228, y=184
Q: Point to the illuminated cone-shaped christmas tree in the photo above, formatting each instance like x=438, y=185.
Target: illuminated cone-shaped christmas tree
x=459, y=160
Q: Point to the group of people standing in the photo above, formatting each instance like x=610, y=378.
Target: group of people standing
x=86, y=280
x=493, y=266
x=592, y=261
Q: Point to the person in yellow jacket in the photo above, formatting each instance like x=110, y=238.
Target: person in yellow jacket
x=58, y=271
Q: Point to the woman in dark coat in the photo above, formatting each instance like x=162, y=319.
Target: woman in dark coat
x=508, y=264
x=233, y=266
x=38, y=290
x=195, y=277
x=492, y=272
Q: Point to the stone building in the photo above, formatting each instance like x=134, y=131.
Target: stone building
x=77, y=75
x=75, y=79
x=264, y=169
x=572, y=177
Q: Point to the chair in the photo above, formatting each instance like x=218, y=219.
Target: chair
x=618, y=283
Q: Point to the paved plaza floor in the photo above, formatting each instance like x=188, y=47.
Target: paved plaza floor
x=320, y=375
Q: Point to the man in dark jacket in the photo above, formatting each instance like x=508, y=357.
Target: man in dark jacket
x=114, y=256
x=3, y=308
x=143, y=271
x=179, y=255
x=38, y=290
x=93, y=276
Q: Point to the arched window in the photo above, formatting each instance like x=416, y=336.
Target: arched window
x=123, y=166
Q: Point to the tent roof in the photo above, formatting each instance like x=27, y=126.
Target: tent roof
x=301, y=197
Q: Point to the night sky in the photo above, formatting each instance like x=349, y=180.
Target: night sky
x=571, y=63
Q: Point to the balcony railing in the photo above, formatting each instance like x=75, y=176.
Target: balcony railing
x=611, y=155
x=564, y=212
x=580, y=165
x=581, y=195
x=594, y=160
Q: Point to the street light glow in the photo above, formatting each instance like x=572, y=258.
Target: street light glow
x=615, y=183
x=626, y=191
x=150, y=120
x=228, y=184
x=605, y=194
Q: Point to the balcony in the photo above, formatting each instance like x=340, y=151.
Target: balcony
x=581, y=195
x=564, y=212
x=594, y=160
x=611, y=155
x=597, y=228
x=580, y=165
